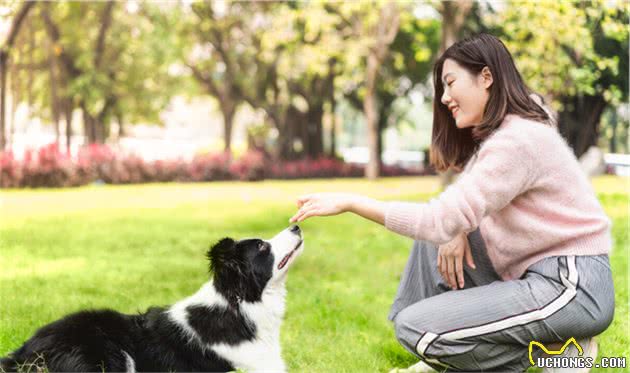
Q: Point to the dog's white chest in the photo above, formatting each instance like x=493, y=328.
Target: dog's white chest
x=253, y=356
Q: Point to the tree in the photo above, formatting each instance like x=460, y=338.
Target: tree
x=406, y=69
x=586, y=44
x=216, y=35
x=296, y=90
x=385, y=31
x=242, y=58
x=117, y=69
x=454, y=15
x=372, y=28
x=5, y=53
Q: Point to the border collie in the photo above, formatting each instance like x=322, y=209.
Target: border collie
x=232, y=322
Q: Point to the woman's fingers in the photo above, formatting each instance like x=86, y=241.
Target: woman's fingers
x=301, y=200
x=307, y=210
x=469, y=257
x=459, y=271
x=311, y=213
x=450, y=270
x=443, y=269
x=298, y=216
x=301, y=215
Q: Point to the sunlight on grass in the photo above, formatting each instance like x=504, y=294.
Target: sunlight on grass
x=40, y=268
x=130, y=247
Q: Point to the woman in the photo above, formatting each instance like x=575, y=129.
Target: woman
x=516, y=249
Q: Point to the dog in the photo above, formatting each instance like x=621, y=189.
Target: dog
x=232, y=322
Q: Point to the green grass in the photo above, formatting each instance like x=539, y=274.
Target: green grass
x=129, y=247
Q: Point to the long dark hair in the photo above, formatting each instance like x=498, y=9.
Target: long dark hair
x=453, y=147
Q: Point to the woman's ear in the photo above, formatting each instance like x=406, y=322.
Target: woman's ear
x=486, y=77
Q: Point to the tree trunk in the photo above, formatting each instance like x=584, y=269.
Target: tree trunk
x=68, y=110
x=99, y=131
x=312, y=138
x=294, y=124
x=4, y=59
x=4, y=55
x=30, y=96
x=284, y=141
x=89, y=126
x=332, y=152
x=579, y=121
x=54, y=98
x=228, y=110
x=382, y=124
x=373, y=169
x=333, y=103
x=121, y=124
x=385, y=32
x=453, y=16
x=613, y=139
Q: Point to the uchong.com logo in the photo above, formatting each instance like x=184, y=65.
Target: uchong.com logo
x=564, y=359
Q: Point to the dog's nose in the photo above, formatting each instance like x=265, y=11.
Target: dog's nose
x=295, y=229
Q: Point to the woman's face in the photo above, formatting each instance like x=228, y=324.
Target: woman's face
x=465, y=94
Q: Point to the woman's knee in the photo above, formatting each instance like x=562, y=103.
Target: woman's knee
x=603, y=319
x=408, y=327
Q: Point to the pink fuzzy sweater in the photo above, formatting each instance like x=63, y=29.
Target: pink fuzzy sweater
x=525, y=191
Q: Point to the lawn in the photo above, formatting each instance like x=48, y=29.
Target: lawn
x=129, y=247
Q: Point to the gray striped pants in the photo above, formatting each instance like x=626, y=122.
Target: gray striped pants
x=487, y=326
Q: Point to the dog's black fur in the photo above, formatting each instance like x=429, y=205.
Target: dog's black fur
x=94, y=341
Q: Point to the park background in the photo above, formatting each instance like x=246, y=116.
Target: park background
x=216, y=115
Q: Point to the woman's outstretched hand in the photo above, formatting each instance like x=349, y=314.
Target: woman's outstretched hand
x=322, y=204
x=450, y=260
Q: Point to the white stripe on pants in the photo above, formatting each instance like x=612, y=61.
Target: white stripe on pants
x=489, y=324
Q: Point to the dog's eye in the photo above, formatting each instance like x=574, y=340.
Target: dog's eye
x=262, y=246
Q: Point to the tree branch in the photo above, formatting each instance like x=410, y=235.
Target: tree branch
x=53, y=33
x=204, y=80
x=100, y=41
x=15, y=25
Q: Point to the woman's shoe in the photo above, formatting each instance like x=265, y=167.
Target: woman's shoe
x=419, y=367
x=589, y=349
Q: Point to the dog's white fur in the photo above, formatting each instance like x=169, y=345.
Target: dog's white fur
x=263, y=354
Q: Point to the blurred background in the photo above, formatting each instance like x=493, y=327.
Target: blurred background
x=131, y=91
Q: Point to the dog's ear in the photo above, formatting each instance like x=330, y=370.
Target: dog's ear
x=220, y=254
x=226, y=270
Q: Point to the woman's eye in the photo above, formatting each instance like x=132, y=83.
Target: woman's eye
x=449, y=83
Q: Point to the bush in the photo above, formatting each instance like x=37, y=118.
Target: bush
x=209, y=167
x=10, y=171
x=49, y=167
x=250, y=167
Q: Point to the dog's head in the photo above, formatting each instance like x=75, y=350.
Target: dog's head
x=242, y=270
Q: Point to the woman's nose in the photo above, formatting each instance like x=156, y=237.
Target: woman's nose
x=445, y=98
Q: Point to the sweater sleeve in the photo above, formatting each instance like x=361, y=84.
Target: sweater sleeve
x=502, y=171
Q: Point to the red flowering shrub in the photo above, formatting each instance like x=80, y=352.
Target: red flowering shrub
x=315, y=168
x=249, y=167
x=210, y=167
x=10, y=171
x=170, y=170
x=49, y=167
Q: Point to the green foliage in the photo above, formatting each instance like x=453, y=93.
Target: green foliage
x=568, y=48
x=132, y=69
x=276, y=56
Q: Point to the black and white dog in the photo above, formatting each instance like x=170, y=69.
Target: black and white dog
x=232, y=322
